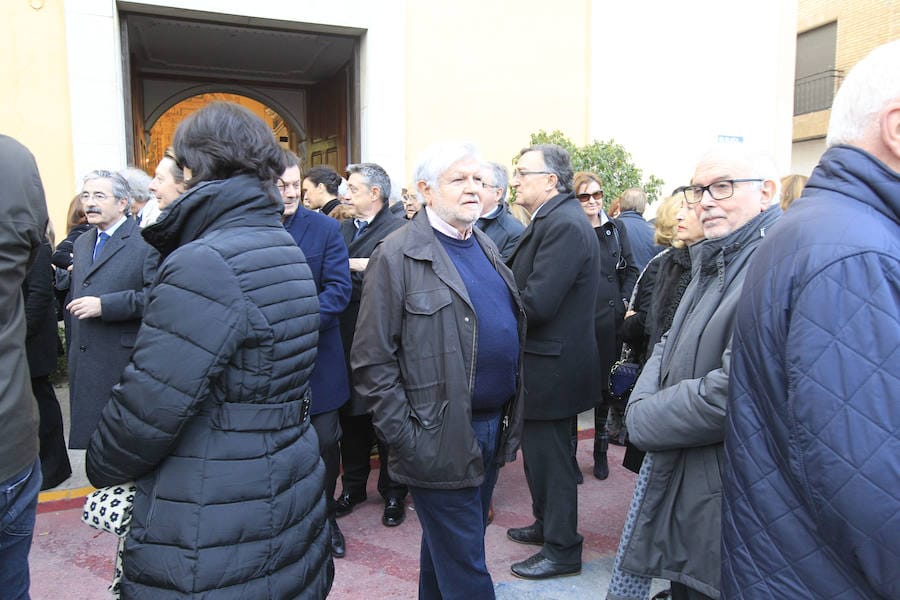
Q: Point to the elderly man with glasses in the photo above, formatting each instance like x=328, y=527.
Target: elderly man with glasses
x=112, y=270
x=677, y=409
x=496, y=220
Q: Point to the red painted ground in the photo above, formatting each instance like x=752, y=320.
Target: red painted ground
x=71, y=561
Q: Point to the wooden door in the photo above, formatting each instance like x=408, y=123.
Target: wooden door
x=327, y=121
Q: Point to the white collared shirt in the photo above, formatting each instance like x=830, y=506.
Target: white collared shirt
x=445, y=227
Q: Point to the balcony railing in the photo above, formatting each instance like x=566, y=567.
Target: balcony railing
x=816, y=92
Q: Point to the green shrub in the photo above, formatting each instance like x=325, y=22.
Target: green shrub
x=611, y=161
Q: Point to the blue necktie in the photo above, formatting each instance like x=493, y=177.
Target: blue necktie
x=360, y=227
x=101, y=241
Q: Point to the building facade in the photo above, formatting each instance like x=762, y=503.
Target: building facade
x=85, y=81
x=832, y=36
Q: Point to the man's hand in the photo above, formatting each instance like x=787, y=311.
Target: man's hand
x=86, y=307
x=358, y=264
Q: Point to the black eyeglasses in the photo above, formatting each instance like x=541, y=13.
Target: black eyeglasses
x=598, y=196
x=719, y=190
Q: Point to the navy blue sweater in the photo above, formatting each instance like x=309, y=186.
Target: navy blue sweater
x=497, y=336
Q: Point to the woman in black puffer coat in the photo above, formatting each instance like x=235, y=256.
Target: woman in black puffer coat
x=210, y=417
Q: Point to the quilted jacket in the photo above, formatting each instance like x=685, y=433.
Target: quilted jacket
x=208, y=416
x=812, y=477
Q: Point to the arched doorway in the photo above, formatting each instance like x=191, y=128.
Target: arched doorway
x=305, y=80
x=162, y=129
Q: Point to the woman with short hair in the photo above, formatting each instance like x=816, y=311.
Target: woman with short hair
x=211, y=415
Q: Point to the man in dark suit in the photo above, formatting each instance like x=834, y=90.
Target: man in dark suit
x=369, y=187
x=113, y=268
x=557, y=270
x=320, y=239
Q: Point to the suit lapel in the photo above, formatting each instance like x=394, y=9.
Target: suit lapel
x=113, y=245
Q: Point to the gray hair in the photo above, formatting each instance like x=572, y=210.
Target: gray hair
x=437, y=158
x=870, y=85
x=120, y=188
x=374, y=176
x=633, y=199
x=557, y=162
x=761, y=163
x=501, y=178
x=138, y=183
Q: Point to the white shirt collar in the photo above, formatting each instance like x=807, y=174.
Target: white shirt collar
x=111, y=230
x=445, y=227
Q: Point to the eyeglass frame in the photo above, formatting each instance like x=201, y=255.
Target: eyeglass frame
x=98, y=196
x=708, y=189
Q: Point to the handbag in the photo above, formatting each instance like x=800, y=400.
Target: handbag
x=109, y=508
x=622, y=377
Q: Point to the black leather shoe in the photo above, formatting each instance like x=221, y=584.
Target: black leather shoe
x=393, y=513
x=601, y=467
x=345, y=503
x=338, y=545
x=526, y=535
x=541, y=567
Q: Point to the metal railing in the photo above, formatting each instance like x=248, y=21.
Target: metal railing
x=816, y=92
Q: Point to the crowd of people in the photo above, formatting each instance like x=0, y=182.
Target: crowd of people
x=242, y=334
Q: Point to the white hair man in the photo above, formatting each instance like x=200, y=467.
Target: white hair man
x=496, y=220
x=812, y=455
x=677, y=409
x=437, y=355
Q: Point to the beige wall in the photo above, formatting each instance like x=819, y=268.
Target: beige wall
x=493, y=72
x=34, y=105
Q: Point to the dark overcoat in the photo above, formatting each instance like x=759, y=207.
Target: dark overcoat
x=326, y=255
x=42, y=341
x=100, y=347
x=640, y=233
x=557, y=270
x=384, y=223
x=618, y=274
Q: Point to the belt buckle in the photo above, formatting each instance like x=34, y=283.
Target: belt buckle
x=304, y=406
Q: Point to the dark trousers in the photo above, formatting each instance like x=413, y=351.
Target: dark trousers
x=452, y=562
x=356, y=445
x=54, y=456
x=683, y=592
x=550, y=473
x=328, y=430
x=18, y=506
